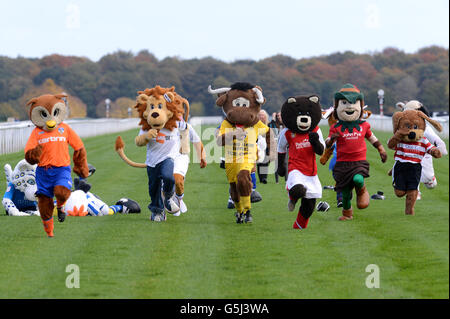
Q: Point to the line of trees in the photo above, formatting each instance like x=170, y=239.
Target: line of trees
x=423, y=75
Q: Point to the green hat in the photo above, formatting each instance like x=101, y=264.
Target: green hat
x=350, y=93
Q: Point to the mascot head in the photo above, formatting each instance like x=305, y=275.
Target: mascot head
x=413, y=105
x=348, y=104
x=23, y=178
x=160, y=108
x=301, y=114
x=48, y=111
x=414, y=122
x=240, y=103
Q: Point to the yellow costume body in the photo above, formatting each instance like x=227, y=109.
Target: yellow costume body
x=241, y=155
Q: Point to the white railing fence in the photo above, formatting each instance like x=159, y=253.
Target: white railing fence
x=14, y=136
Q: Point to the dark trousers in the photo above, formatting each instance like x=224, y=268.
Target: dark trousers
x=160, y=176
x=262, y=169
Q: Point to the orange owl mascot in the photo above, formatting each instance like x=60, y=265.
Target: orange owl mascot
x=47, y=146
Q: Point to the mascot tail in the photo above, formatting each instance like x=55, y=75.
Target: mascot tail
x=120, y=145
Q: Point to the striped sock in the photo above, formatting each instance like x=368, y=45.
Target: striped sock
x=116, y=208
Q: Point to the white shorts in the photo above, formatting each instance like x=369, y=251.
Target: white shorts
x=312, y=183
x=181, y=164
x=427, y=175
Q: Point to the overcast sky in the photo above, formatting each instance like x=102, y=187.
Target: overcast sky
x=227, y=30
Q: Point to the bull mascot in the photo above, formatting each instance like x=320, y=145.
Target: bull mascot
x=238, y=133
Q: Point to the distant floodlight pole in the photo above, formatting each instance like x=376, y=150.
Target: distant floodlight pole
x=67, y=103
x=381, y=100
x=108, y=103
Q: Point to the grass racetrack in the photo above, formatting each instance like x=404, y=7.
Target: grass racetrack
x=205, y=254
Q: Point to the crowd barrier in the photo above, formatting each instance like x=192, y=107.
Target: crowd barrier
x=14, y=135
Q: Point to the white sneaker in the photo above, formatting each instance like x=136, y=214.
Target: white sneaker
x=177, y=214
x=182, y=205
x=419, y=196
x=171, y=206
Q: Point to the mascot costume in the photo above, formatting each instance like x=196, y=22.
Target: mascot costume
x=427, y=177
x=84, y=203
x=160, y=110
x=349, y=134
x=238, y=133
x=331, y=152
x=303, y=138
x=47, y=147
x=410, y=146
x=19, y=199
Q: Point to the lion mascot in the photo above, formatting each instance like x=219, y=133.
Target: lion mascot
x=47, y=147
x=160, y=110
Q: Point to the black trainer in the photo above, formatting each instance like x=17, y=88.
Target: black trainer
x=248, y=217
x=61, y=215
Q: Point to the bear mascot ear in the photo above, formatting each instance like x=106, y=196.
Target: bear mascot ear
x=314, y=99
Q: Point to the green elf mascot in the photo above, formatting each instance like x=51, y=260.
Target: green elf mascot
x=350, y=133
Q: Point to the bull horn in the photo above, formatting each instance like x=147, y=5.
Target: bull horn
x=259, y=95
x=217, y=91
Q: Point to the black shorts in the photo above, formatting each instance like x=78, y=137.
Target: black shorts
x=406, y=176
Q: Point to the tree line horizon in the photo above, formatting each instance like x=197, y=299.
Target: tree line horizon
x=422, y=75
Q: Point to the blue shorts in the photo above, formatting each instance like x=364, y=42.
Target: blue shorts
x=48, y=178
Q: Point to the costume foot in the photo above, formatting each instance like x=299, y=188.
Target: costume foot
x=291, y=205
x=158, y=217
x=48, y=227
x=61, y=215
x=362, y=197
x=409, y=212
x=300, y=222
x=255, y=196
x=248, y=217
x=171, y=206
x=239, y=217
x=347, y=214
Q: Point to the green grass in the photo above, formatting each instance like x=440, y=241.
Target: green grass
x=205, y=254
